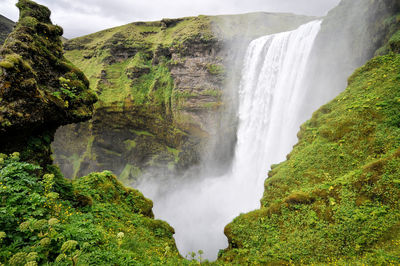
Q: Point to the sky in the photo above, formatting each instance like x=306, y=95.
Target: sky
x=81, y=17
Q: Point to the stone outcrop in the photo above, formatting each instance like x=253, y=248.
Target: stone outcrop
x=39, y=89
x=165, y=91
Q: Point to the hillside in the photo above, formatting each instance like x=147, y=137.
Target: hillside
x=6, y=26
x=154, y=95
x=162, y=90
x=336, y=199
x=44, y=218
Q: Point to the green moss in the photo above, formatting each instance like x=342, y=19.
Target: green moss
x=130, y=144
x=394, y=42
x=129, y=173
x=36, y=76
x=213, y=92
x=6, y=64
x=216, y=69
x=142, y=133
x=336, y=199
x=212, y=105
x=174, y=152
x=95, y=220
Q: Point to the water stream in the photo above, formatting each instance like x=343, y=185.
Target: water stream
x=271, y=95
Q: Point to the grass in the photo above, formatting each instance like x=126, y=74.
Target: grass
x=337, y=197
x=156, y=86
x=93, y=220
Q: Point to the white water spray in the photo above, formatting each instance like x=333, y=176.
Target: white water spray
x=271, y=95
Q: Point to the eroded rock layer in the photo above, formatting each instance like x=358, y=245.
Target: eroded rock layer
x=166, y=89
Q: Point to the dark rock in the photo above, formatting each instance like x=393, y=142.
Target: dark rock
x=39, y=89
x=136, y=72
x=6, y=26
x=167, y=23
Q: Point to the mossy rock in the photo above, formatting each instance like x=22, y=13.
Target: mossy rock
x=39, y=89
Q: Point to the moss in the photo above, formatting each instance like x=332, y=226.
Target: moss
x=6, y=64
x=129, y=173
x=130, y=144
x=40, y=89
x=299, y=198
x=346, y=166
x=96, y=215
x=216, y=69
x=394, y=42
x=175, y=153
x=142, y=133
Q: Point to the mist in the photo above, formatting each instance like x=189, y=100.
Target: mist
x=274, y=81
x=200, y=205
x=80, y=18
x=203, y=202
x=245, y=141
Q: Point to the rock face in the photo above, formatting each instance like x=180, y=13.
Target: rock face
x=350, y=35
x=6, y=26
x=39, y=89
x=108, y=223
x=165, y=91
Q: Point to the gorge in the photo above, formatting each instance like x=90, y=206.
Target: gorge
x=272, y=80
x=201, y=115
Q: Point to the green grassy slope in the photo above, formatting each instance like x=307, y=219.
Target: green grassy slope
x=141, y=40
x=336, y=199
x=165, y=79
x=44, y=218
x=100, y=52
x=92, y=221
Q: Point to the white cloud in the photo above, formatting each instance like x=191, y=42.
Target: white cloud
x=79, y=17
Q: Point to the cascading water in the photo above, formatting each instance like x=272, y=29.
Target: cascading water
x=271, y=94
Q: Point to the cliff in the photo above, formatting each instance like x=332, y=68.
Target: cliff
x=6, y=26
x=163, y=90
x=335, y=201
x=45, y=218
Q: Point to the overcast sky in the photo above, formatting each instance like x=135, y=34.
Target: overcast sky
x=80, y=17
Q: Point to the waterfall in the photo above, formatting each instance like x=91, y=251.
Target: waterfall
x=271, y=95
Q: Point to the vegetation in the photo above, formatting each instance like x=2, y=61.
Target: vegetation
x=130, y=69
x=39, y=89
x=216, y=69
x=128, y=61
x=93, y=220
x=336, y=200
